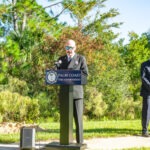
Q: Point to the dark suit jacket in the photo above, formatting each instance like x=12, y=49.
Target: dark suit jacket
x=145, y=77
x=78, y=62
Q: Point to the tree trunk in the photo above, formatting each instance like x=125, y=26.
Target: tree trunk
x=14, y=15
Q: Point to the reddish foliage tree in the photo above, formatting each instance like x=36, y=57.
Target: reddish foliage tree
x=85, y=44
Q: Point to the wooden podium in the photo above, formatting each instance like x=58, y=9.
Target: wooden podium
x=66, y=79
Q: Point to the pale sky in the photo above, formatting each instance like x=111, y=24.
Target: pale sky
x=134, y=13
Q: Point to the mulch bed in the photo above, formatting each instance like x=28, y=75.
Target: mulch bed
x=9, y=127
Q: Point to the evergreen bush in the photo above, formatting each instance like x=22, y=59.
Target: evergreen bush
x=15, y=107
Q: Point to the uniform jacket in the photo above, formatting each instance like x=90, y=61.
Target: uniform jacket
x=78, y=62
x=145, y=77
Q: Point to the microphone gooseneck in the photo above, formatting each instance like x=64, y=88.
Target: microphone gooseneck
x=58, y=63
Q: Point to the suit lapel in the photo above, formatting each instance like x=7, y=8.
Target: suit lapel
x=65, y=59
x=65, y=62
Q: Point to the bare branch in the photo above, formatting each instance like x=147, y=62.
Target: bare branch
x=52, y=5
x=58, y=14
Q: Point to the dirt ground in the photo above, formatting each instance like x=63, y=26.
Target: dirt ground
x=7, y=127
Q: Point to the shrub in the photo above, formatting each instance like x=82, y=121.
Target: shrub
x=48, y=103
x=15, y=107
x=95, y=107
x=126, y=109
x=16, y=85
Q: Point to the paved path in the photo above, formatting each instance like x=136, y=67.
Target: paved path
x=116, y=143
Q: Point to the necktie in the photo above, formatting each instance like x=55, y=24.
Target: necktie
x=69, y=59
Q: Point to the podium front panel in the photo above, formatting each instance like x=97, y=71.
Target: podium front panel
x=63, y=77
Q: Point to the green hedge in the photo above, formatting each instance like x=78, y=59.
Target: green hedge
x=15, y=107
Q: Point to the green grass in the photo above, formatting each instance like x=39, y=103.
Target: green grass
x=112, y=128
x=134, y=148
x=92, y=129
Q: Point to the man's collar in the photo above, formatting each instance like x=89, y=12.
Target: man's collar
x=72, y=55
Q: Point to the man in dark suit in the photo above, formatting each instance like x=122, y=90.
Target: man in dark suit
x=75, y=62
x=145, y=93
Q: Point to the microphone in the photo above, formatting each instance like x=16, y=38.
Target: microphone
x=58, y=63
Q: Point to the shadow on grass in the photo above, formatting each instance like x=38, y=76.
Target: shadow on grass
x=108, y=131
x=50, y=131
x=114, y=131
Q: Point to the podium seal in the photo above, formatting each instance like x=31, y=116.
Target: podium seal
x=51, y=77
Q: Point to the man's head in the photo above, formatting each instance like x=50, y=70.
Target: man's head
x=70, y=47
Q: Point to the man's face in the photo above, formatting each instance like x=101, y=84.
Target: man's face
x=70, y=48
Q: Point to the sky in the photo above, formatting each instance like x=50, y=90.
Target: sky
x=133, y=13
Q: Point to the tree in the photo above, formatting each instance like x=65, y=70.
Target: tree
x=38, y=41
x=90, y=18
x=134, y=53
x=30, y=23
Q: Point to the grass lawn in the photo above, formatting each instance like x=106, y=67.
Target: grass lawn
x=141, y=148
x=92, y=129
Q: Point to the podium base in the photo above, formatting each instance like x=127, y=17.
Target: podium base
x=72, y=146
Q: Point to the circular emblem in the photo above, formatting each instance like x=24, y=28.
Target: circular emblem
x=51, y=77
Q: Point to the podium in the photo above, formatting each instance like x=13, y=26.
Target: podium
x=66, y=79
